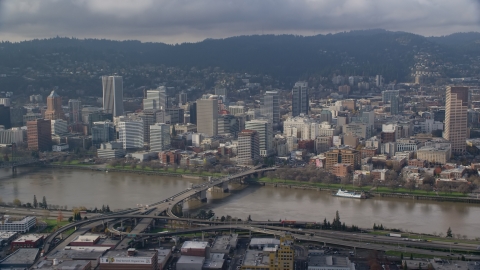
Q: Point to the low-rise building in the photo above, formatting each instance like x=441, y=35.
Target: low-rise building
x=27, y=241
x=323, y=262
x=22, y=258
x=60, y=147
x=60, y=265
x=85, y=240
x=190, y=263
x=341, y=169
x=194, y=248
x=111, y=150
x=24, y=225
x=417, y=163
x=432, y=154
x=224, y=244
x=129, y=259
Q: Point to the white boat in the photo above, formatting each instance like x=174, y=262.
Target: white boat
x=349, y=194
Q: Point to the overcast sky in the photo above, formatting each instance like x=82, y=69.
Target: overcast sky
x=173, y=21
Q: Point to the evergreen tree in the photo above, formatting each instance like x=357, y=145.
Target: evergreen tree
x=107, y=209
x=35, y=203
x=374, y=226
x=449, y=232
x=44, y=202
x=325, y=226
x=249, y=218
x=411, y=256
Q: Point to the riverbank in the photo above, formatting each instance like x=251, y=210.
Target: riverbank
x=371, y=191
x=145, y=171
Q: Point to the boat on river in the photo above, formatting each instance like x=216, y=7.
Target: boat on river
x=350, y=194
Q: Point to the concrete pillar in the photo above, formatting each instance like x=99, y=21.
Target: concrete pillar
x=203, y=195
x=225, y=186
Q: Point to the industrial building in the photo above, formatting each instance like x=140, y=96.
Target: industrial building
x=130, y=259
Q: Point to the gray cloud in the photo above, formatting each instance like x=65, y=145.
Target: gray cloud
x=190, y=20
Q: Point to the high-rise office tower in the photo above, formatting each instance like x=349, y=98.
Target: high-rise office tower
x=113, y=95
x=159, y=137
x=265, y=135
x=193, y=112
x=222, y=94
x=456, y=107
x=59, y=126
x=227, y=123
x=300, y=102
x=270, y=107
x=39, y=136
x=130, y=133
x=394, y=104
x=54, y=107
x=5, y=120
x=155, y=99
x=102, y=132
x=207, y=116
x=248, y=151
x=379, y=80
x=75, y=111
x=150, y=117
x=182, y=98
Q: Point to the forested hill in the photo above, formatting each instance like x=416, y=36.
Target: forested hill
x=285, y=57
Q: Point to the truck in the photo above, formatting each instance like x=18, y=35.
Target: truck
x=395, y=235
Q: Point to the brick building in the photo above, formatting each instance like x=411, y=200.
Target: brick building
x=39, y=136
x=341, y=169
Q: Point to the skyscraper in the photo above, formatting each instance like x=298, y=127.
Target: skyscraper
x=159, y=137
x=113, y=95
x=207, y=116
x=248, y=147
x=394, y=104
x=456, y=107
x=270, y=107
x=182, y=98
x=265, y=135
x=54, y=107
x=103, y=131
x=300, y=99
x=155, y=99
x=5, y=120
x=75, y=111
x=39, y=136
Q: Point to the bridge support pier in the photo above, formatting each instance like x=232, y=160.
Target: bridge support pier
x=225, y=187
x=203, y=195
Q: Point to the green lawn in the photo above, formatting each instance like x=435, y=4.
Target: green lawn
x=363, y=188
x=52, y=224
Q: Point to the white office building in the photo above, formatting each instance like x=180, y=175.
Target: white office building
x=159, y=137
x=265, y=135
x=130, y=133
x=22, y=226
x=13, y=135
x=155, y=99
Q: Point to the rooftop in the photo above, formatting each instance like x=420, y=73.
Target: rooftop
x=191, y=259
x=256, y=258
x=23, y=256
x=264, y=241
x=70, y=265
x=195, y=244
x=86, y=238
x=29, y=238
x=331, y=261
x=77, y=254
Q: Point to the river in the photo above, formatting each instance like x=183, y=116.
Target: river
x=118, y=190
